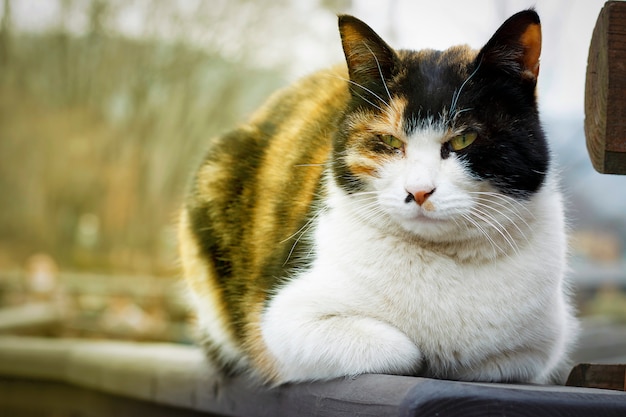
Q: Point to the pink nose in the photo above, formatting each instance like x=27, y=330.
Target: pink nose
x=419, y=196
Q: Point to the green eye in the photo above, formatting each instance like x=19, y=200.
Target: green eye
x=392, y=141
x=462, y=141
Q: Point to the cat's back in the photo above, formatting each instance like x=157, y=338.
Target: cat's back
x=253, y=195
x=259, y=180
x=293, y=128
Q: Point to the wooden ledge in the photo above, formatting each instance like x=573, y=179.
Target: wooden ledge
x=178, y=376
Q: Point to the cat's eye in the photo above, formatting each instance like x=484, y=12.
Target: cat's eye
x=462, y=141
x=392, y=141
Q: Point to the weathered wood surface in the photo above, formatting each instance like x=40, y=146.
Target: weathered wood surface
x=178, y=376
x=605, y=91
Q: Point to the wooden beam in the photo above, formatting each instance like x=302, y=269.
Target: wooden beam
x=605, y=91
x=177, y=377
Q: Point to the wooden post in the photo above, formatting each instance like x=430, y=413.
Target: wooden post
x=598, y=376
x=605, y=91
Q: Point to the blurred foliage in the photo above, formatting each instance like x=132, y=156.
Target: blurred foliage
x=99, y=133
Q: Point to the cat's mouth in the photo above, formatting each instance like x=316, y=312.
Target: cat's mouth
x=423, y=217
x=425, y=225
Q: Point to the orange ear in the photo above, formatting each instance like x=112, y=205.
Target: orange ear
x=368, y=57
x=531, y=41
x=516, y=46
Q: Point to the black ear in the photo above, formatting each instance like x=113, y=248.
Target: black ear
x=516, y=46
x=368, y=57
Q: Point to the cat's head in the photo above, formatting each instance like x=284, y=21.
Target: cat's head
x=433, y=139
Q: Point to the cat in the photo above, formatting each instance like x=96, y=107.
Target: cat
x=398, y=214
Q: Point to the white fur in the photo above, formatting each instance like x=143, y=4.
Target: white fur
x=396, y=288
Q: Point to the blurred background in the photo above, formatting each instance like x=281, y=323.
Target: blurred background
x=106, y=107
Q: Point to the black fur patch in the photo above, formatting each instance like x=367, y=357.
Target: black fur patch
x=511, y=151
x=492, y=93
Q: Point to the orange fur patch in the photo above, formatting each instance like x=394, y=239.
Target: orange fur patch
x=279, y=169
x=531, y=39
x=428, y=206
x=263, y=360
x=211, y=174
x=360, y=159
x=388, y=122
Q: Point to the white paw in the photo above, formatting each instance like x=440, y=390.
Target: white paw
x=334, y=346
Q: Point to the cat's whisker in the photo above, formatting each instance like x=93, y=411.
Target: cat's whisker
x=364, y=99
x=459, y=223
x=511, y=206
x=366, y=89
x=367, y=208
x=457, y=94
x=502, y=197
x=299, y=230
x=464, y=224
x=508, y=204
x=366, y=193
x=380, y=72
x=463, y=110
x=370, y=210
x=303, y=231
x=497, y=226
x=293, y=247
x=508, y=207
x=482, y=230
x=507, y=199
x=511, y=221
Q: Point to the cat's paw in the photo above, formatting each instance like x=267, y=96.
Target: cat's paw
x=336, y=346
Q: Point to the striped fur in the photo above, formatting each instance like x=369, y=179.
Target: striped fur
x=251, y=204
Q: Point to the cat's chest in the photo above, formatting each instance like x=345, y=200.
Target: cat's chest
x=410, y=281
x=388, y=264
x=426, y=293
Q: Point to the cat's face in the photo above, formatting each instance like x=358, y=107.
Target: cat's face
x=437, y=140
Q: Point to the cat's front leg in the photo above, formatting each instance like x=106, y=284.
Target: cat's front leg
x=308, y=342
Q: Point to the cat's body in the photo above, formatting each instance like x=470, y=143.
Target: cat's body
x=405, y=221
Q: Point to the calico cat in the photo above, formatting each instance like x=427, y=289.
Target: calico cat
x=396, y=216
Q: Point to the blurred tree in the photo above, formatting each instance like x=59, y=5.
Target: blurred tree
x=5, y=33
x=100, y=129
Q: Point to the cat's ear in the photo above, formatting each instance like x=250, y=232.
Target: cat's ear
x=368, y=57
x=516, y=46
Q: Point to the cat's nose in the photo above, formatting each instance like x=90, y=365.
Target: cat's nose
x=419, y=196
